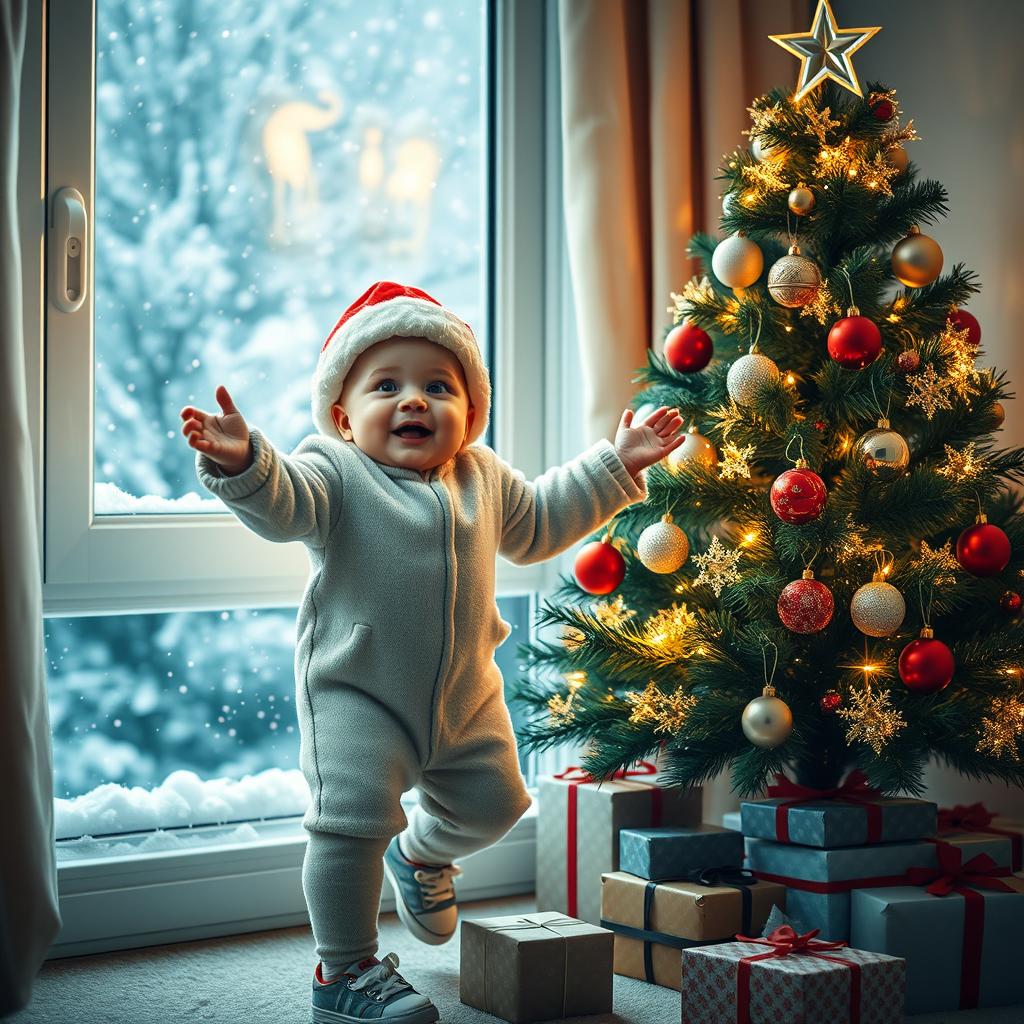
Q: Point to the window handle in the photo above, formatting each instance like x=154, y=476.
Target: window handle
x=68, y=250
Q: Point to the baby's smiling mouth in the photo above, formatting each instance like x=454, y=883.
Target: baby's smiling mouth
x=412, y=430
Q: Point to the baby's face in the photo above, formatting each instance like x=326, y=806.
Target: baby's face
x=399, y=381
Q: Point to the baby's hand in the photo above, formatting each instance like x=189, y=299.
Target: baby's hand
x=641, y=446
x=224, y=439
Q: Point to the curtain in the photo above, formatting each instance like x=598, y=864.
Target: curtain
x=654, y=93
x=29, y=919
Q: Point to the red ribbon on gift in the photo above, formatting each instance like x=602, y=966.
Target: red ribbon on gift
x=952, y=875
x=854, y=790
x=584, y=778
x=786, y=942
x=978, y=818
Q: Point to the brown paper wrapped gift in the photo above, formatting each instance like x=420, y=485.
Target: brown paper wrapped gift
x=578, y=825
x=654, y=921
x=535, y=967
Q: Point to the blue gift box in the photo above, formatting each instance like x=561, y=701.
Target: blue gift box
x=667, y=854
x=806, y=870
x=928, y=931
x=832, y=823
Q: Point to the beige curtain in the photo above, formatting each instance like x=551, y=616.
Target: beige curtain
x=29, y=918
x=654, y=92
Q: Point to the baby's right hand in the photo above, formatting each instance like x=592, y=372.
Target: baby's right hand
x=224, y=438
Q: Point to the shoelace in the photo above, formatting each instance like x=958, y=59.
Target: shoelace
x=390, y=982
x=436, y=883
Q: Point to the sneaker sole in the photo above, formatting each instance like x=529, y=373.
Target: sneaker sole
x=425, y=1015
x=408, y=918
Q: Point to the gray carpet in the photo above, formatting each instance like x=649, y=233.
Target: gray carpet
x=266, y=977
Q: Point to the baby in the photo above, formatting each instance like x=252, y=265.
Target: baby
x=402, y=516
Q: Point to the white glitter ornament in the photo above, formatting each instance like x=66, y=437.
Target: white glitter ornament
x=878, y=608
x=737, y=261
x=749, y=376
x=696, y=448
x=794, y=280
x=728, y=201
x=663, y=547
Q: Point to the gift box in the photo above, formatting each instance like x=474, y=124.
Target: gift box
x=578, y=825
x=653, y=921
x=734, y=820
x=819, y=882
x=962, y=818
x=790, y=977
x=854, y=815
x=663, y=854
x=535, y=967
x=960, y=940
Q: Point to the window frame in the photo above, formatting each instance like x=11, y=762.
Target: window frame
x=109, y=564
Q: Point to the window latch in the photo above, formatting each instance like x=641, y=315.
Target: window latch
x=68, y=249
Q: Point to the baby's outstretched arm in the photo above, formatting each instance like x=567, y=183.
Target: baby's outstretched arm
x=224, y=439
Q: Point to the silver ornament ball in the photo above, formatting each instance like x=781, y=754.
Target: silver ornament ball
x=794, y=280
x=801, y=201
x=663, y=547
x=878, y=608
x=883, y=451
x=749, y=376
x=728, y=202
x=696, y=449
x=767, y=720
x=917, y=259
x=737, y=261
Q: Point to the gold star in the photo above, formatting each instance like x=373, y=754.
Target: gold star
x=872, y=718
x=717, y=567
x=825, y=51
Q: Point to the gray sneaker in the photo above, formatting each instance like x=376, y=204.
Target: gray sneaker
x=371, y=990
x=424, y=895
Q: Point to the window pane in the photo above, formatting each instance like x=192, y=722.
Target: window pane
x=257, y=167
x=185, y=718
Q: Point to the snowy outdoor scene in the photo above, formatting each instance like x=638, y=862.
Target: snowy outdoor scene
x=258, y=166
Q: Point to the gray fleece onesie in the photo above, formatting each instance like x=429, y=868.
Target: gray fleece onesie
x=396, y=684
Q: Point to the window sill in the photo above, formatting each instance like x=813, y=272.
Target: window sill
x=146, y=899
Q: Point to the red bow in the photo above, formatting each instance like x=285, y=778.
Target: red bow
x=643, y=768
x=962, y=816
x=854, y=790
x=785, y=940
x=952, y=874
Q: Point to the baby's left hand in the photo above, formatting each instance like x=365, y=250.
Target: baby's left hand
x=641, y=446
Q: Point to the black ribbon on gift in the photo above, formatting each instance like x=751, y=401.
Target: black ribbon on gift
x=734, y=877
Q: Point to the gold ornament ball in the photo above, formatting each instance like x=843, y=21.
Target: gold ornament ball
x=695, y=449
x=762, y=149
x=749, y=376
x=877, y=609
x=897, y=156
x=767, y=720
x=737, y=261
x=794, y=280
x=801, y=201
x=883, y=451
x=663, y=547
x=917, y=259
x=999, y=412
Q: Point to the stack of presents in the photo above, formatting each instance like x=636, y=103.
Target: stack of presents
x=839, y=906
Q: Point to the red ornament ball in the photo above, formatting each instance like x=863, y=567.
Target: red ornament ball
x=883, y=110
x=983, y=550
x=1011, y=602
x=926, y=665
x=805, y=606
x=908, y=361
x=854, y=342
x=820, y=426
x=829, y=702
x=688, y=349
x=599, y=567
x=798, y=495
x=961, y=319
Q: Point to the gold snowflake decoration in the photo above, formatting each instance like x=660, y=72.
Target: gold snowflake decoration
x=823, y=307
x=837, y=159
x=765, y=177
x=572, y=638
x=817, y=123
x=854, y=545
x=962, y=465
x=613, y=614
x=696, y=292
x=666, y=711
x=717, y=567
x=1002, y=729
x=560, y=707
x=735, y=461
x=940, y=563
x=872, y=719
x=762, y=116
x=963, y=376
x=929, y=391
x=876, y=174
x=670, y=627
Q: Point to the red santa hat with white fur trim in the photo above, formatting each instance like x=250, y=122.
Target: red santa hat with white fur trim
x=383, y=311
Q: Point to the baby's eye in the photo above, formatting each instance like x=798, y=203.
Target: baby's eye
x=387, y=380
x=441, y=382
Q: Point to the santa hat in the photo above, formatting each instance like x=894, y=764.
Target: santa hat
x=383, y=311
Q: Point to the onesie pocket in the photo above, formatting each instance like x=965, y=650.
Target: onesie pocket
x=349, y=663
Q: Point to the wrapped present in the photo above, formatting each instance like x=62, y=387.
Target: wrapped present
x=578, y=824
x=959, y=934
x=819, y=882
x=535, y=967
x=653, y=921
x=734, y=820
x=661, y=854
x=977, y=818
x=853, y=814
x=787, y=976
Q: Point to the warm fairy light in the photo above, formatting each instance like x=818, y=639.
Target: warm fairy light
x=852, y=172
x=750, y=198
x=869, y=668
x=886, y=568
x=702, y=650
x=749, y=538
x=790, y=379
x=574, y=680
x=789, y=328
x=893, y=318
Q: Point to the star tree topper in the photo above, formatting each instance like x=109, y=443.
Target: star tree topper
x=825, y=51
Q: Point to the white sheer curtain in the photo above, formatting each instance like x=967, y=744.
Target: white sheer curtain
x=29, y=919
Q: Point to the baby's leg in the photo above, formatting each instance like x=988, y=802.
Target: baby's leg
x=342, y=878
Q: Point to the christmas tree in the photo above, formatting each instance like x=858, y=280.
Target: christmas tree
x=825, y=575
